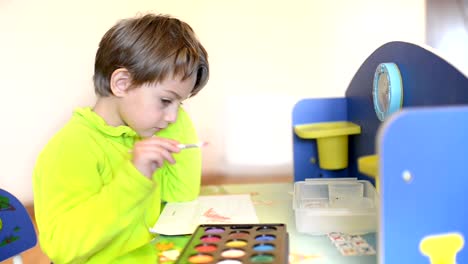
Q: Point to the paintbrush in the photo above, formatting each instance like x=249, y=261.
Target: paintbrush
x=186, y=146
x=193, y=145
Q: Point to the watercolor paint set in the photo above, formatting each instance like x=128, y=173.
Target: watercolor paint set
x=237, y=244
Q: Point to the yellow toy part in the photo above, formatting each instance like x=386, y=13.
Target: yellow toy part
x=369, y=165
x=332, y=141
x=1, y=224
x=442, y=249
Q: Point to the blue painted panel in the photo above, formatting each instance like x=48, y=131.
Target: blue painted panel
x=432, y=145
x=428, y=80
x=314, y=111
x=17, y=232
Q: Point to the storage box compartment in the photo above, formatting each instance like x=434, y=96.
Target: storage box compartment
x=343, y=205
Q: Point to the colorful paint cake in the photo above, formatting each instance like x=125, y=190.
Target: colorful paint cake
x=237, y=244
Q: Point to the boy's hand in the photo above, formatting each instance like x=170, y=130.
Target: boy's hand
x=150, y=153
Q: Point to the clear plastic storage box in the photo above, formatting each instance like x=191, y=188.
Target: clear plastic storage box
x=345, y=205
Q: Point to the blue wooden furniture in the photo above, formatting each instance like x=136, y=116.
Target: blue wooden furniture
x=424, y=162
x=422, y=153
x=428, y=80
x=314, y=111
x=17, y=232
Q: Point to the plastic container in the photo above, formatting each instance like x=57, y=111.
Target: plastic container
x=347, y=205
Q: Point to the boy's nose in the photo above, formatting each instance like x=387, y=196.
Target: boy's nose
x=171, y=116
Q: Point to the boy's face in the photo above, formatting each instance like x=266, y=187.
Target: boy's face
x=152, y=107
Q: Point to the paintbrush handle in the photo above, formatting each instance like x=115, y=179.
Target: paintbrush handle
x=186, y=146
x=192, y=145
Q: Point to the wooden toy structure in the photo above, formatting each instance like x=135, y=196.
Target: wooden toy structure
x=418, y=157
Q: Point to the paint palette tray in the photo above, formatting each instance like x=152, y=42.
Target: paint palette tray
x=237, y=244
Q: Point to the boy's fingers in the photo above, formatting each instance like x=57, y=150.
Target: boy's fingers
x=160, y=139
x=168, y=156
x=157, y=154
x=165, y=139
x=170, y=145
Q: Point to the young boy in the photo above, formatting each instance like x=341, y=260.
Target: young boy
x=100, y=181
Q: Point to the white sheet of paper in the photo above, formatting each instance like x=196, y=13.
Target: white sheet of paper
x=183, y=218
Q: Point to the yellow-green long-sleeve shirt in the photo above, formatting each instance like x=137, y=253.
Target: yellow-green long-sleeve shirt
x=92, y=205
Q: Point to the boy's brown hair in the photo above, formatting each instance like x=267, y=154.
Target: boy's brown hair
x=152, y=48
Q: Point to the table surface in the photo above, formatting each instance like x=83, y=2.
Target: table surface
x=273, y=204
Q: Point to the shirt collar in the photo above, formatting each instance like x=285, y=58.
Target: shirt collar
x=90, y=117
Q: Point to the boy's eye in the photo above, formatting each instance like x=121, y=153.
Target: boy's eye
x=166, y=101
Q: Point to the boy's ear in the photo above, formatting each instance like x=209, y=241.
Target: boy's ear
x=120, y=82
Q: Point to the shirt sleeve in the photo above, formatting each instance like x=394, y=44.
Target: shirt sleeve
x=81, y=202
x=181, y=181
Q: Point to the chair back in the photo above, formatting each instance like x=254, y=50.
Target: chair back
x=17, y=232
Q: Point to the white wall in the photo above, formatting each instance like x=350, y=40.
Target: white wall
x=447, y=30
x=264, y=55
